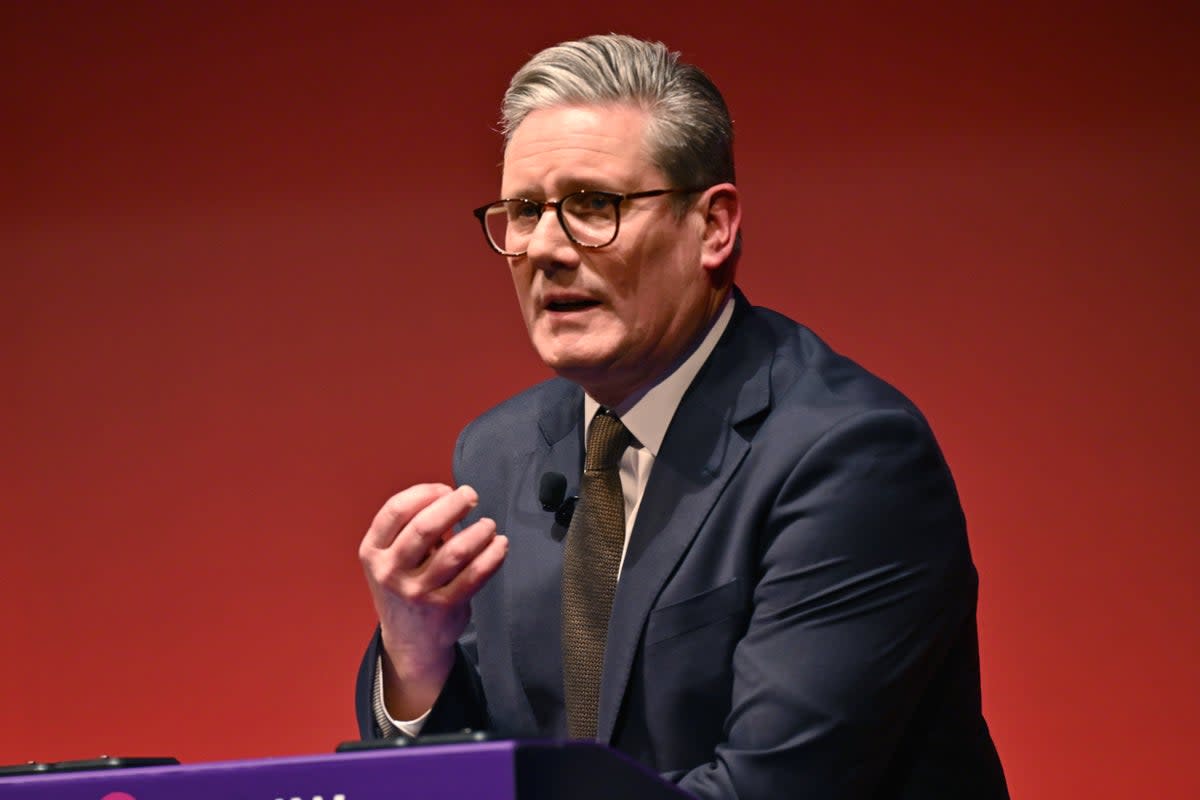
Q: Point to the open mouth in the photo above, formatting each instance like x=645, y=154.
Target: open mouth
x=571, y=305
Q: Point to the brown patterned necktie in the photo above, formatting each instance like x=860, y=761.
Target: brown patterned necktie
x=591, y=561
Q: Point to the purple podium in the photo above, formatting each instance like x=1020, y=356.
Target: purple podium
x=502, y=770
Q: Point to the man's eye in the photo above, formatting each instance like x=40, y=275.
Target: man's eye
x=594, y=201
x=523, y=211
x=590, y=205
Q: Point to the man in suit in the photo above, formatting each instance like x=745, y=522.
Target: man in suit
x=765, y=589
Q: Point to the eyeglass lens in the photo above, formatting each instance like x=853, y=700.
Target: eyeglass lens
x=590, y=219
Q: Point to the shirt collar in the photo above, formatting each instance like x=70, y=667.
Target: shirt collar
x=649, y=416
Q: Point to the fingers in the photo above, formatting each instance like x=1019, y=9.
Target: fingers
x=430, y=526
x=413, y=557
x=458, y=552
x=416, y=519
x=399, y=510
x=476, y=572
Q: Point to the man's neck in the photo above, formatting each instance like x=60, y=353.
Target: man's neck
x=621, y=398
x=648, y=412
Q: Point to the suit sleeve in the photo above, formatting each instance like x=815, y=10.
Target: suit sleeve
x=865, y=582
x=460, y=705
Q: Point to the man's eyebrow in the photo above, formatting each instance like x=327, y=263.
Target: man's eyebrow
x=520, y=194
x=595, y=184
x=568, y=186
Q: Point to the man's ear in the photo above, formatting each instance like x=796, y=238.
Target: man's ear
x=722, y=210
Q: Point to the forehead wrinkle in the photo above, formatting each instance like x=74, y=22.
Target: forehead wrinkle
x=559, y=166
x=567, y=156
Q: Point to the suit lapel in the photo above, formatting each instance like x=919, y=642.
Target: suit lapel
x=534, y=562
x=701, y=451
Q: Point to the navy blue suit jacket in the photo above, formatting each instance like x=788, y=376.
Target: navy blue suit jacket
x=796, y=610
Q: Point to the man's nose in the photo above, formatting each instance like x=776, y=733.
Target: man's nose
x=549, y=246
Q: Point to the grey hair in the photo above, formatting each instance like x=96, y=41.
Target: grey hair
x=690, y=134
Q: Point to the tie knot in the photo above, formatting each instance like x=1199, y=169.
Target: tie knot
x=607, y=440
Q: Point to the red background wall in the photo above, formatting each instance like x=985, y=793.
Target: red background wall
x=243, y=301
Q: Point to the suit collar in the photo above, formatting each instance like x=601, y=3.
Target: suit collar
x=649, y=412
x=561, y=412
x=700, y=453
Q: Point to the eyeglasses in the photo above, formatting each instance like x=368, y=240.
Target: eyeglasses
x=589, y=218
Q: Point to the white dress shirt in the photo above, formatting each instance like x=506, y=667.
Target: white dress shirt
x=646, y=415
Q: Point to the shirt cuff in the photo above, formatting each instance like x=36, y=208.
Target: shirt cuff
x=389, y=726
